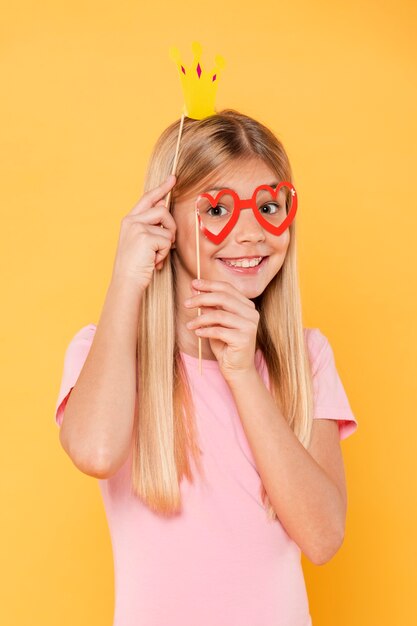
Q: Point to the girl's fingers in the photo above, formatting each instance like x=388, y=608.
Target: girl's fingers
x=160, y=215
x=153, y=195
x=232, y=303
x=154, y=217
x=223, y=318
x=160, y=232
x=213, y=286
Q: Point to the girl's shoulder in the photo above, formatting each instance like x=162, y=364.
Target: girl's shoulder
x=317, y=346
x=316, y=342
x=87, y=331
x=75, y=356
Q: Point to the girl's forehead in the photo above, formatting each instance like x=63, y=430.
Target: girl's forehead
x=242, y=179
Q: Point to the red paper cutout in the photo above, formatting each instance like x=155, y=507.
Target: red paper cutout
x=250, y=202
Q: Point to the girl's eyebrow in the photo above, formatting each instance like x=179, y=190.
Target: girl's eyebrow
x=274, y=184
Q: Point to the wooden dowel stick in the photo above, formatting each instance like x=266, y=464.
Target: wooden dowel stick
x=197, y=247
x=174, y=166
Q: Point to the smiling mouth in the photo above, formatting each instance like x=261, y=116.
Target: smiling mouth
x=250, y=261
x=247, y=265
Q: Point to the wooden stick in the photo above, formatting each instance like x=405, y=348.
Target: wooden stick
x=174, y=166
x=168, y=198
x=197, y=247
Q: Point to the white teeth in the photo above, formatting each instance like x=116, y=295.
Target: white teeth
x=245, y=262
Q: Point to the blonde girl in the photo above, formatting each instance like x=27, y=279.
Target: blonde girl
x=213, y=484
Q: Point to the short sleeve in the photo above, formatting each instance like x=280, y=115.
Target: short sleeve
x=330, y=399
x=75, y=356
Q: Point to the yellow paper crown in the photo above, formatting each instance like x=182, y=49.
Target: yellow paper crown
x=199, y=87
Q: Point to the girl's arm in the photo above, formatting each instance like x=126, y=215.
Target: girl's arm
x=96, y=431
x=310, y=501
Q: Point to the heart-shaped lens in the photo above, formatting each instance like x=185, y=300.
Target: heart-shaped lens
x=215, y=212
x=274, y=205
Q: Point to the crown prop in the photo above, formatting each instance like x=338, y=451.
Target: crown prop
x=199, y=87
x=199, y=90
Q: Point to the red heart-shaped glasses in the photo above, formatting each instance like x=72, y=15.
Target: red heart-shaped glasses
x=239, y=204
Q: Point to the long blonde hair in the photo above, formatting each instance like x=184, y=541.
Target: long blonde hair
x=165, y=435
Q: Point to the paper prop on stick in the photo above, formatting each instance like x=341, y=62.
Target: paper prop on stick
x=199, y=89
x=274, y=208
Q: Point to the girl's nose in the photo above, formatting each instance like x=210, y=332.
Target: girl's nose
x=248, y=227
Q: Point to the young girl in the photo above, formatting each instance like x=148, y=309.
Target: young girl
x=213, y=484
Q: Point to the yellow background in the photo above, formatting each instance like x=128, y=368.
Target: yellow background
x=86, y=88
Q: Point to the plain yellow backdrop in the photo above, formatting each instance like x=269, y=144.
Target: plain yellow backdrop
x=86, y=89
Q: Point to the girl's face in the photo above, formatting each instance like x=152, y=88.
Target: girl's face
x=247, y=238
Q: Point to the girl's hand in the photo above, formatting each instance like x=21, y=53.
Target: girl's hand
x=143, y=244
x=230, y=324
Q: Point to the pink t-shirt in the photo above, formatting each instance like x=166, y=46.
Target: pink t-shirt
x=220, y=562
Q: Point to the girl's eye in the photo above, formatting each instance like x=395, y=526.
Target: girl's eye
x=272, y=204
x=217, y=207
